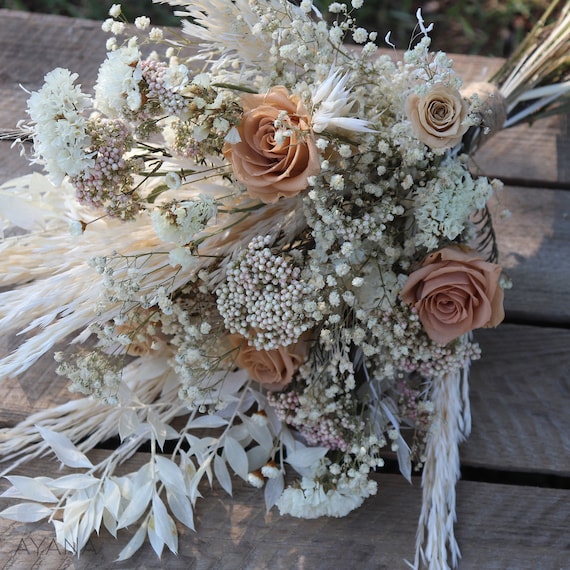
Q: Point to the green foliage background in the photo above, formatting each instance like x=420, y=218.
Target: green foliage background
x=486, y=27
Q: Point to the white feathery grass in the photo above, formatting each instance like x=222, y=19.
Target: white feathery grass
x=88, y=422
x=227, y=27
x=435, y=536
x=33, y=203
x=59, y=292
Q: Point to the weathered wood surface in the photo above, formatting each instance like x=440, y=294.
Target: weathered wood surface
x=501, y=527
x=520, y=389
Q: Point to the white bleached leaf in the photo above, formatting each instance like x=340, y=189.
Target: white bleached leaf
x=222, y=474
x=287, y=439
x=164, y=526
x=208, y=421
x=111, y=497
x=170, y=474
x=161, y=430
x=26, y=512
x=140, y=478
x=259, y=432
x=75, y=508
x=129, y=423
x=181, y=508
x=404, y=459
x=133, y=545
x=233, y=382
x=137, y=506
x=305, y=456
x=206, y=468
x=87, y=524
x=32, y=489
x=236, y=457
x=110, y=523
x=257, y=457
x=74, y=481
x=63, y=447
x=155, y=540
x=273, y=490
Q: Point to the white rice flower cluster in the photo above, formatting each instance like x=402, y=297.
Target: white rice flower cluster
x=107, y=183
x=263, y=297
x=60, y=129
x=162, y=86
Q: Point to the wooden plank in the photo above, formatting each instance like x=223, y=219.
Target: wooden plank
x=37, y=389
x=534, y=246
x=538, y=154
x=520, y=391
x=527, y=154
x=33, y=44
x=499, y=527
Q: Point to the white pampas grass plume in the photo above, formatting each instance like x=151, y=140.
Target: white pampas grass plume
x=435, y=536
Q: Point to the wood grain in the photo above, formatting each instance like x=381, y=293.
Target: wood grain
x=534, y=246
x=520, y=392
x=499, y=528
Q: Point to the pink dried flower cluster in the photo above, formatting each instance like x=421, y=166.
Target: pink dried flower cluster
x=108, y=183
x=327, y=431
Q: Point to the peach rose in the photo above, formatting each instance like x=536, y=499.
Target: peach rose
x=269, y=165
x=437, y=116
x=454, y=292
x=273, y=369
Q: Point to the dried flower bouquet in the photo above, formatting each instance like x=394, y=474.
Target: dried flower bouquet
x=280, y=249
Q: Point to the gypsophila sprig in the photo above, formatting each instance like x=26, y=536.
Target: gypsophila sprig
x=276, y=239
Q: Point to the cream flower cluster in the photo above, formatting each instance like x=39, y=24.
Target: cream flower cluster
x=61, y=134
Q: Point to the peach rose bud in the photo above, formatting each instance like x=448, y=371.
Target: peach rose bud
x=273, y=163
x=437, y=117
x=455, y=292
x=273, y=369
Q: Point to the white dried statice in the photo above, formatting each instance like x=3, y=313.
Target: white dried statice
x=60, y=129
x=311, y=499
x=117, y=90
x=178, y=222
